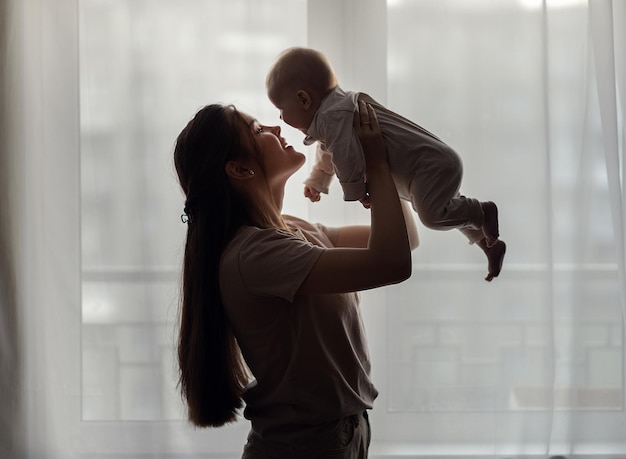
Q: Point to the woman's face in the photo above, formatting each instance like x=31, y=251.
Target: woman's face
x=280, y=160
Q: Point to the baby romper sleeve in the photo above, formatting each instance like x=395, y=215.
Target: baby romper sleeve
x=322, y=172
x=347, y=154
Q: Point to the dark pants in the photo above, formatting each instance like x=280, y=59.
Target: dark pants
x=349, y=438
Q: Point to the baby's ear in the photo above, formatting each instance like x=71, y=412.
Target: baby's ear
x=304, y=98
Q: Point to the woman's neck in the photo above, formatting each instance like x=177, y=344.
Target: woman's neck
x=267, y=212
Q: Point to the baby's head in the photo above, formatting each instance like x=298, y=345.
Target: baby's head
x=296, y=84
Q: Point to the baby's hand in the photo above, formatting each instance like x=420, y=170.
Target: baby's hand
x=311, y=193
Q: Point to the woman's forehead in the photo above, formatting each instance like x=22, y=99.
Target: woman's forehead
x=249, y=119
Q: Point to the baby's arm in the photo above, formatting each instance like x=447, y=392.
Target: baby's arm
x=342, y=155
x=347, y=156
x=321, y=174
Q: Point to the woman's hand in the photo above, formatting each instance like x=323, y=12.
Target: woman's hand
x=387, y=257
x=371, y=137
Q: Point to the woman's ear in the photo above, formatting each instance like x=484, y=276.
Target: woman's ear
x=236, y=170
x=304, y=98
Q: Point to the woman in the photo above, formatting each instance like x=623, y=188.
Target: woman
x=278, y=291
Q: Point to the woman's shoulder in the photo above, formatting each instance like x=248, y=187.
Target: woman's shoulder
x=298, y=222
x=315, y=233
x=253, y=238
x=249, y=234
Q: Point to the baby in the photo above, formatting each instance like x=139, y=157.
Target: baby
x=426, y=171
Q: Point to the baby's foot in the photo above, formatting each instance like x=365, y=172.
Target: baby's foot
x=495, y=257
x=490, y=223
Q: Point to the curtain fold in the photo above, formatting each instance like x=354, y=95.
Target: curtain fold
x=607, y=33
x=608, y=24
x=39, y=230
x=12, y=406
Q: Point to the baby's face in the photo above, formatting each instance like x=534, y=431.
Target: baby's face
x=293, y=108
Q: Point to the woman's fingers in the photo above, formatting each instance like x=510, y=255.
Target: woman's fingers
x=364, y=113
x=361, y=116
x=371, y=116
x=365, y=117
x=370, y=135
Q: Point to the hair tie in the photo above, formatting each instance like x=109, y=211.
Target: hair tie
x=185, y=218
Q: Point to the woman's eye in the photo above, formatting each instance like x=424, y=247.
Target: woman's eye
x=259, y=130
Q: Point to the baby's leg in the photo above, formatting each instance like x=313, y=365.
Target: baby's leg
x=490, y=222
x=495, y=256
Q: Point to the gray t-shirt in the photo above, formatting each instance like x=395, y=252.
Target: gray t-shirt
x=308, y=354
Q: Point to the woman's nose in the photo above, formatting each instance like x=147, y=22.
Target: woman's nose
x=275, y=130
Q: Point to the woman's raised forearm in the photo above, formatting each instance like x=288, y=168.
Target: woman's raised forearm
x=388, y=235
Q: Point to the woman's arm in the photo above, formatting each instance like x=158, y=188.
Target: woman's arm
x=357, y=236
x=387, y=257
x=411, y=227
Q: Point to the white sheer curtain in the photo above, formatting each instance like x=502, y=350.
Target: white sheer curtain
x=532, y=364
x=40, y=301
x=608, y=20
x=531, y=93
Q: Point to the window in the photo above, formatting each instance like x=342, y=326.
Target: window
x=533, y=359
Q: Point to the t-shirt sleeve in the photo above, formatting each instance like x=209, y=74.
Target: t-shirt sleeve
x=275, y=263
x=316, y=230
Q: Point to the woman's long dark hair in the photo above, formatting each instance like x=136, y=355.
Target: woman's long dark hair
x=212, y=373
